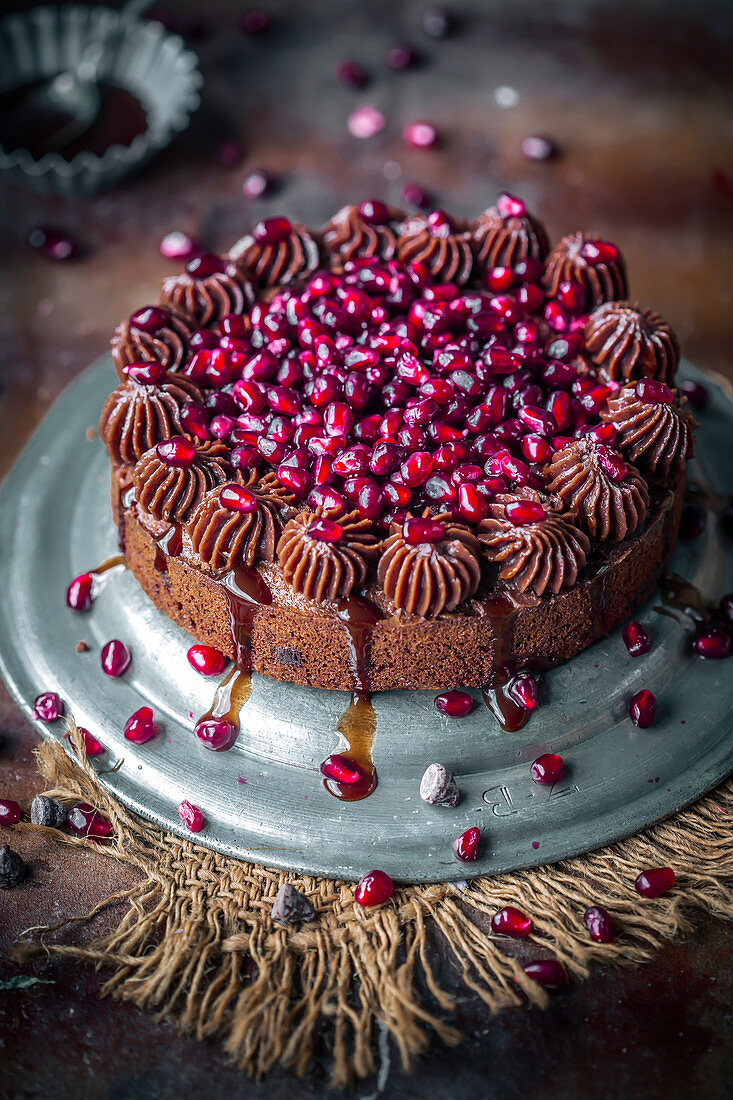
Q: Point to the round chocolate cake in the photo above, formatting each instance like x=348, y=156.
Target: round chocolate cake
x=404, y=451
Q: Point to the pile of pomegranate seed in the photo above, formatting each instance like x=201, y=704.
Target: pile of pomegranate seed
x=374, y=888
x=191, y=816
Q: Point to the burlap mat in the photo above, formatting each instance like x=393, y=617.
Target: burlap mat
x=196, y=943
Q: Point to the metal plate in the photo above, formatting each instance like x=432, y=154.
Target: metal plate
x=264, y=799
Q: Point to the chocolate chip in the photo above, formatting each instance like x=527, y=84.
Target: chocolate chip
x=291, y=906
x=12, y=868
x=82, y=647
x=438, y=787
x=47, y=811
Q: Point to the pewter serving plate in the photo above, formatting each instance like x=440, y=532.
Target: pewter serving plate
x=264, y=799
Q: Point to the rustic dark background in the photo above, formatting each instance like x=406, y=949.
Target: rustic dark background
x=638, y=98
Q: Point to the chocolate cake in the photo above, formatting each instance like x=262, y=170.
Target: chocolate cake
x=404, y=451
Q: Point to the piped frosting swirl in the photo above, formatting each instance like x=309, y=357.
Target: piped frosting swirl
x=164, y=338
x=136, y=417
x=438, y=243
x=627, y=342
x=507, y=234
x=544, y=554
x=658, y=435
x=593, y=483
x=273, y=263
x=230, y=534
x=208, y=290
x=350, y=235
x=423, y=578
x=171, y=493
x=325, y=555
x=596, y=265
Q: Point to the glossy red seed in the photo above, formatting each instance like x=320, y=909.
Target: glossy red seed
x=599, y=252
x=713, y=644
x=342, y=770
x=146, y=374
x=92, y=746
x=547, y=769
x=524, y=512
x=417, y=531
x=177, y=451
x=466, y=846
x=642, y=708
x=611, y=463
x=636, y=639
x=509, y=206
x=325, y=530
x=417, y=195
x=421, y=135
x=85, y=820
x=218, y=734
x=115, y=658
x=9, y=811
x=48, y=706
x=140, y=726
x=455, y=704
x=79, y=593
x=655, y=881
x=511, y=922
x=205, y=265
x=549, y=973
x=191, y=816
x=374, y=888
x=696, y=394
x=599, y=924
x=177, y=245
x=235, y=498
x=149, y=319
x=205, y=659
x=523, y=690
x=651, y=392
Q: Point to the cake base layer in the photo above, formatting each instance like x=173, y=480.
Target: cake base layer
x=312, y=645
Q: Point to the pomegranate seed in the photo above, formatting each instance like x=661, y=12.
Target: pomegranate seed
x=642, y=708
x=140, y=726
x=418, y=531
x=79, y=593
x=374, y=888
x=510, y=207
x=342, y=770
x=9, y=811
x=547, y=769
x=205, y=265
x=206, y=660
x=48, y=706
x=715, y=644
x=417, y=196
x=149, y=319
x=455, y=704
x=257, y=184
x=523, y=512
x=599, y=924
x=352, y=74
x=599, y=252
x=538, y=147
x=55, y=244
x=84, y=820
x=146, y=374
x=655, y=881
x=523, y=690
x=611, y=463
x=216, y=733
x=416, y=469
x=421, y=135
x=237, y=499
x=636, y=639
x=191, y=816
x=549, y=973
x=536, y=449
x=696, y=394
x=652, y=392
x=365, y=121
x=402, y=56
x=177, y=451
x=92, y=746
x=472, y=506
x=466, y=846
x=325, y=530
x=511, y=922
x=178, y=246
x=115, y=658
x=272, y=230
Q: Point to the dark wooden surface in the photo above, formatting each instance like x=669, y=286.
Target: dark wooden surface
x=639, y=98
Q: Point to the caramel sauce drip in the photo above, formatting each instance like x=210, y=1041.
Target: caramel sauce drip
x=357, y=725
x=510, y=716
x=231, y=695
x=246, y=592
x=167, y=546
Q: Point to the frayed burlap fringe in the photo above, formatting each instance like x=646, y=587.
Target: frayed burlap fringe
x=197, y=946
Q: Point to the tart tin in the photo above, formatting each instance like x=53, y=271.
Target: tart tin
x=143, y=58
x=264, y=799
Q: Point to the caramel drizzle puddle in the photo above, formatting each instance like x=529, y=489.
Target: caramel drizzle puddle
x=681, y=595
x=167, y=546
x=358, y=723
x=497, y=697
x=231, y=695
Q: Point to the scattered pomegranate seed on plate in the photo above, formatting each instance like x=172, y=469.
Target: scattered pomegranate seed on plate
x=191, y=816
x=92, y=746
x=84, y=820
x=79, y=593
x=466, y=846
x=713, y=644
x=206, y=660
x=547, y=769
x=636, y=639
x=421, y=135
x=642, y=708
x=48, y=706
x=455, y=704
x=374, y=888
x=140, y=726
x=115, y=658
x=216, y=733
